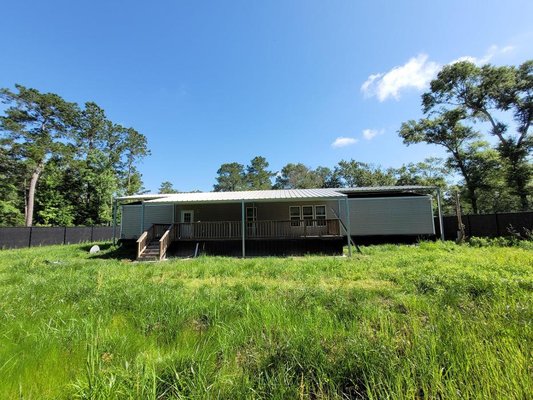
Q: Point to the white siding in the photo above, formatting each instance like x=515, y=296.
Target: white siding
x=368, y=216
x=130, y=226
x=157, y=214
x=391, y=216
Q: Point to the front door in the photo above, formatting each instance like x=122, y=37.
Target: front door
x=186, y=226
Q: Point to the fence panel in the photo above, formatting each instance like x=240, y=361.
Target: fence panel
x=18, y=237
x=103, y=233
x=486, y=225
x=77, y=234
x=519, y=221
x=47, y=235
x=481, y=225
x=14, y=237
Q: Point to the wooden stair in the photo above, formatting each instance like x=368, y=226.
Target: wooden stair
x=152, y=245
x=151, y=252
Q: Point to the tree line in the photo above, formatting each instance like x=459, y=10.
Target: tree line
x=62, y=163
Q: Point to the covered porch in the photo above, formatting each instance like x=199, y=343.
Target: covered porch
x=219, y=218
x=166, y=234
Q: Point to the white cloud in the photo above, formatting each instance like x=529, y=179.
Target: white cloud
x=417, y=73
x=370, y=134
x=343, y=142
x=492, y=52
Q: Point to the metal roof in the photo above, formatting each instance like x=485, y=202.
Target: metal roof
x=266, y=195
x=380, y=189
x=142, y=197
x=249, y=195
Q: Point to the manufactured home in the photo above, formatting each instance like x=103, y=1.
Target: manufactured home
x=272, y=222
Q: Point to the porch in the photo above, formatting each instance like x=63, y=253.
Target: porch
x=155, y=241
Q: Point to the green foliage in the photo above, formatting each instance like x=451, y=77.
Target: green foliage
x=230, y=177
x=485, y=94
x=499, y=242
x=35, y=127
x=359, y=174
x=299, y=176
x=10, y=199
x=235, y=177
x=435, y=320
x=167, y=188
x=430, y=172
x=258, y=177
x=69, y=160
x=52, y=207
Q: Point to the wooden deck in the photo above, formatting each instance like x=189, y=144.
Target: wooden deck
x=160, y=236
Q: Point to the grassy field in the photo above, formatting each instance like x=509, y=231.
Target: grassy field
x=434, y=321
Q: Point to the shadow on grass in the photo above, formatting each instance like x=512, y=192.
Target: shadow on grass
x=122, y=251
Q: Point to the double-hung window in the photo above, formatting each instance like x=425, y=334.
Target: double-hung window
x=320, y=215
x=295, y=215
x=311, y=215
x=307, y=215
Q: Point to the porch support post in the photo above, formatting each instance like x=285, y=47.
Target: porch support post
x=441, y=228
x=142, y=217
x=114, y=221
x=348, y=227
x=243, y=227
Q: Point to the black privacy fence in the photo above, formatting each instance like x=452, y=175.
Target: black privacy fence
x=482, y=225
x=18, y=237
x=488, y=225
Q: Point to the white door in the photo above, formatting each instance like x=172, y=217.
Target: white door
x=186, y=227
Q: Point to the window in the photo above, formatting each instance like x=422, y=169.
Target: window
x=251, y=214
x=307, y=215
x=294, y=215
x=320, y=215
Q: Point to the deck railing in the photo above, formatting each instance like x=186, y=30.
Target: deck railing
x=290, y=229
x=208, y=230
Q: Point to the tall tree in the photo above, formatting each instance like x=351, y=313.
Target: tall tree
x=493, y=94
x=359, y=174
x=433, y=171
x=258, y=177
x=447, y=130
x=36, y=126
x=95, y=166
x=51, y=203
x=230, y=177
x=167, y=188
x=299, y=176
x=136, y=148
x=10, y=195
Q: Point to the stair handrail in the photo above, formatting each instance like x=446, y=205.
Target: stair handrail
x=144, y=239
x=165, y=241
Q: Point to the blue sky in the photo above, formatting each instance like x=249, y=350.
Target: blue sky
x=210, y=82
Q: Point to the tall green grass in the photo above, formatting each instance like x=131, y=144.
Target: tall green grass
x=434, y=321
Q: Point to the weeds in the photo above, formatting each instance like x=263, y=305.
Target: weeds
x=431, y=321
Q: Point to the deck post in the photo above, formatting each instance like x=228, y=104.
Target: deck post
x=142, y=217
x=348, y=227
x=441, y=228
x=114, y=221
x=243, y=228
